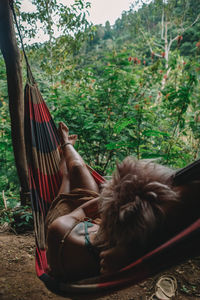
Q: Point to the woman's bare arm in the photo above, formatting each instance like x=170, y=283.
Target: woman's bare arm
x=66, y=222
x=89, y=209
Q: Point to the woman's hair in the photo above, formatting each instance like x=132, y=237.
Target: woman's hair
x=133, y=203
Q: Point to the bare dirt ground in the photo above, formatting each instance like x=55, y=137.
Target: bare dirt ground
x=18, y=279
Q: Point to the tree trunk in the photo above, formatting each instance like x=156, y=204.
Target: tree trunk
x=10, y=51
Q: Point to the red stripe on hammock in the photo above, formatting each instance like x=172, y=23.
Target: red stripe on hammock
x=41, y=265
x=39, y=112
x=44, y=181
x=98, y=178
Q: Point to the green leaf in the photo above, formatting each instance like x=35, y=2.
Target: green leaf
x=123, y=123
x=153, y=155
x=155, y=133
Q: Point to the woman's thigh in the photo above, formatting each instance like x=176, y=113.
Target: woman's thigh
x=80, y=177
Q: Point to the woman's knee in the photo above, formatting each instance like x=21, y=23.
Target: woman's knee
x=80, y=176
x=76, y=166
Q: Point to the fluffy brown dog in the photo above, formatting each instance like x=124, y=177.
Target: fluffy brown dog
x=134, y=204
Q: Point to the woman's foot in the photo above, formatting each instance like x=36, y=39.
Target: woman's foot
x=64, y=133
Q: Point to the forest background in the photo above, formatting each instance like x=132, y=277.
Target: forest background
x=128, y=89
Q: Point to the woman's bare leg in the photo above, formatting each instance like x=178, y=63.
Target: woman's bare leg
x=65, y=186
x=78, y=174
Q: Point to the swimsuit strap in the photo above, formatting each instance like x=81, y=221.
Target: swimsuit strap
x=60, y=250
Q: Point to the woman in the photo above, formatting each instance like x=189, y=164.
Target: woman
x=66, y=222
x=91, y=231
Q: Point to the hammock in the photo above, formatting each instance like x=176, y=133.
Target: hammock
x=42, y=147
x=42, y=142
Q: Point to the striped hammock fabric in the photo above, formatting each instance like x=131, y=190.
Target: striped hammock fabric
x=42, y=141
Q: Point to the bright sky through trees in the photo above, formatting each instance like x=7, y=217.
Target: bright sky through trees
x=100, y=12
x=103, y=10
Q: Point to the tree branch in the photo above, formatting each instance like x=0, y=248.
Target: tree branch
x=159, y=45
x=151, y=50
x=162, y=24
x=182, y=31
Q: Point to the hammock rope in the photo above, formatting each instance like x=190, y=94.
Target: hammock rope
x=30, y=77
x=42, y=145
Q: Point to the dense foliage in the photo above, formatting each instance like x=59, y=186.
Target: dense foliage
x=118, y=87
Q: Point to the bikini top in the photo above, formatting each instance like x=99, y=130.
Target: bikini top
x=91, y=248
